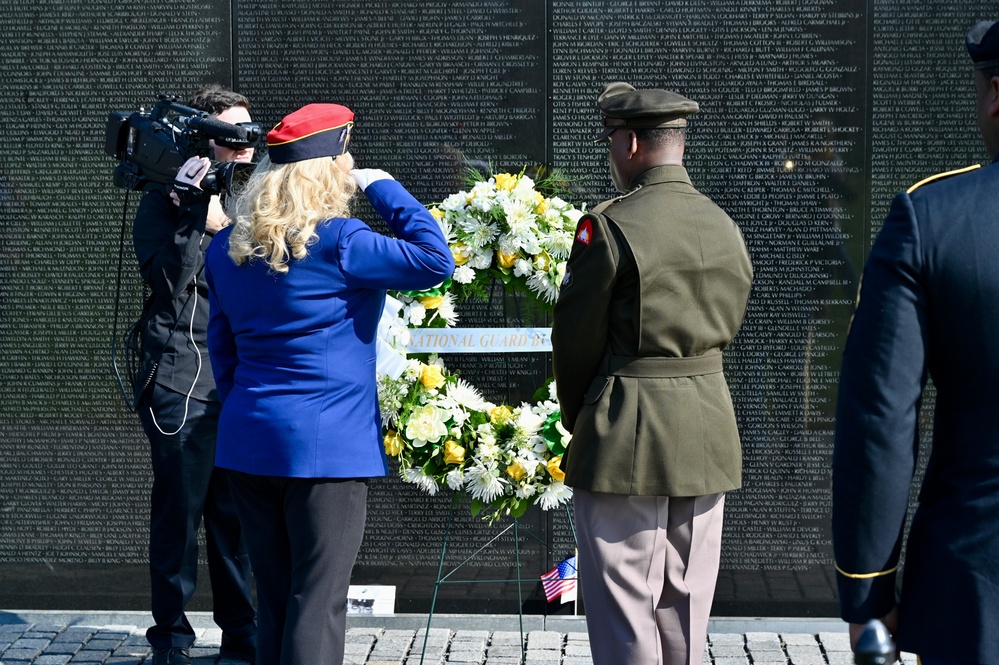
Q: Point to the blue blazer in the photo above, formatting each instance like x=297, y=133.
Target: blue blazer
x=929, y=306
x=294, y=354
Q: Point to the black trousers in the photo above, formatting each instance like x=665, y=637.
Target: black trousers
x=304, y=535
x=186, y=486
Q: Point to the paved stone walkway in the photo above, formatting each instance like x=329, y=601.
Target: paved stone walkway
x=28, y=639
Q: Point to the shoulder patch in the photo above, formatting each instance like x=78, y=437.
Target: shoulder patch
x=584, y=233
x=941, y=176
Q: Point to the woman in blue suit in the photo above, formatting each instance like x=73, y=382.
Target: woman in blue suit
x=297, y=288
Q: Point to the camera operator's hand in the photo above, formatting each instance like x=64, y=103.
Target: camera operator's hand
x=217, y=219
x=187, y=182
x=365, y=177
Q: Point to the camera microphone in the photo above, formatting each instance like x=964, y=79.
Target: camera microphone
x=215, y=127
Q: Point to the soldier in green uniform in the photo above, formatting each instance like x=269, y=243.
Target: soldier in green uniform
x=655, y=288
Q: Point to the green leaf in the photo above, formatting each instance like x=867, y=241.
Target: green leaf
x=476, y=507
x=519, y=507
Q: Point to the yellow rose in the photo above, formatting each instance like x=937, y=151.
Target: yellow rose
x=500, y=414
x=431, y=302
x=541, y=203
x=438, y=214
x=393, y=443
x=431, y=377
x=453, y=453
x=460, y=252
x=506, y=181
x=516, y=470
x=553, y=469
x=506, y=260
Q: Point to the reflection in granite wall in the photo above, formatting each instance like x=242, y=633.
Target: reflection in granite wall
x=814, y=112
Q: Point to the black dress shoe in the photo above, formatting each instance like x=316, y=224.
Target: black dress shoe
x=234, y=649
x=171, y=656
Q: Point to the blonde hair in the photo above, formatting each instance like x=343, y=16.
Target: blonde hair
x=277, y=211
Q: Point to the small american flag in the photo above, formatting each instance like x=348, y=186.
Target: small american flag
x=560, y=581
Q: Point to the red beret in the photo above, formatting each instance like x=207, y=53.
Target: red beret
x=315, y=130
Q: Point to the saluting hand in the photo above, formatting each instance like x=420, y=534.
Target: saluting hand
x=365, y=177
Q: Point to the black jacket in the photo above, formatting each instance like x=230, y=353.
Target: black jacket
x=170, y=245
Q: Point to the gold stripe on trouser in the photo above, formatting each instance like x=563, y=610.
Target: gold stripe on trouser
x=648, y=568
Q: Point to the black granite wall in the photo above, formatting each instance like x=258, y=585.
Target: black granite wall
x=814, y=112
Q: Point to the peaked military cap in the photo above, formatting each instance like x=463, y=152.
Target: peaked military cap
x=315, y=130
x=624, y=107
x=983, y=44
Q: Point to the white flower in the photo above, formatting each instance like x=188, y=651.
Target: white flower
x=485, y=431
x=520, y=218
x=488, y=451
x=528, y=423
x=421, y=480
x=573, y=215
x=447, y=311
x=455, y=478
x=481, y=260
x=426, y=425
x=554, y=495
x=559, y=244
x=483, y=194
x=553, y=218
x=464, y=275
x=413, y=370
x=447, y=229
x=522, y=268
x=540, y=284
x=454, y=202
x=526, y=491
x=464, y=394
x=477, y=233
x=482, y=484
x=416, y=312
x=524, y=188
x=507, y=244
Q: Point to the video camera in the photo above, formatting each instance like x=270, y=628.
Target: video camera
x=152, y=146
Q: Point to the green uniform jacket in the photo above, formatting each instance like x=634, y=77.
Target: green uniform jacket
x=656, y=286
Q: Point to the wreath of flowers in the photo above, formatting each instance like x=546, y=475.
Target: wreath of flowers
x=439, y=427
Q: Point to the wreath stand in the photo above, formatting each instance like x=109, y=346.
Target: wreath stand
x=445, y=578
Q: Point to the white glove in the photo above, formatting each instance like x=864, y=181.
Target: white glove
x=365, y=177
x=187, y=182
x=193, y=171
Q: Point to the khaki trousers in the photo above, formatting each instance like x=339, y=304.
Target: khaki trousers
x=648, y=567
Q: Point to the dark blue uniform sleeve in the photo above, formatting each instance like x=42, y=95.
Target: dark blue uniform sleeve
x=221, y=343
x=876, y=443
x=417, y=258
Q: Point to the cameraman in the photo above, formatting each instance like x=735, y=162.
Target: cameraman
x=179, y=409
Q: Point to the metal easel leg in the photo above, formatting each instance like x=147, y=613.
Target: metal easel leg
x=437, y=584
x=520, y=581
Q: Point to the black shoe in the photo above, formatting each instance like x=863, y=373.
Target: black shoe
x=236, y=649
x=171, y=656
